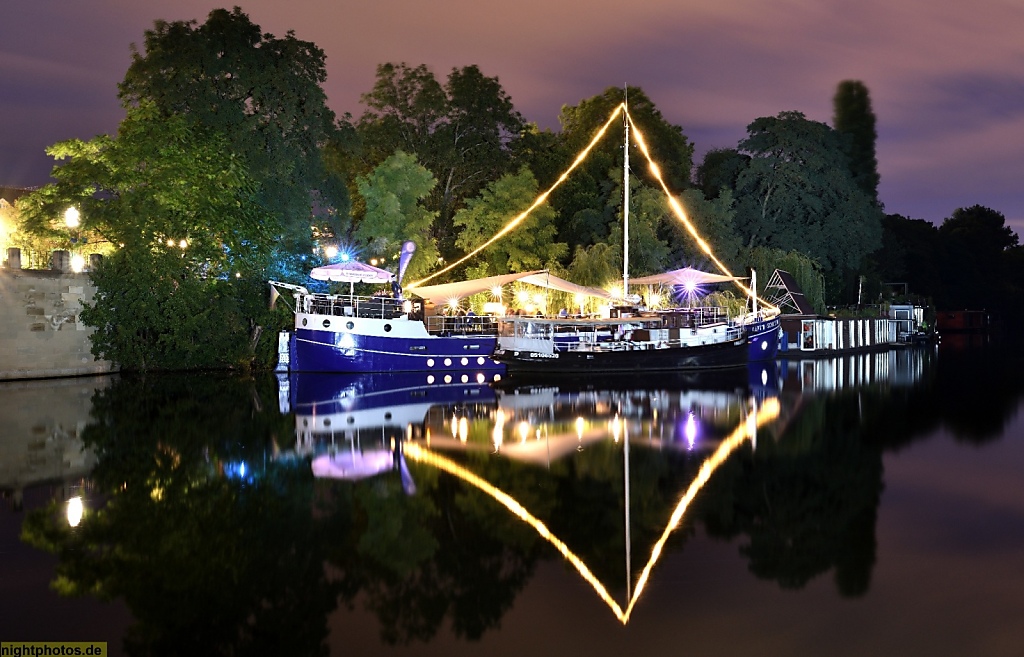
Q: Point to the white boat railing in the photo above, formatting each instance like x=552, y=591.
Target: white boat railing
x=346, y=305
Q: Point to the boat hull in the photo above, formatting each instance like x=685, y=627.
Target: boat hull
x=357, y=351
x=732, y=353
x=763, y=339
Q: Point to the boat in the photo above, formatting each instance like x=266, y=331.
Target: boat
x=417, y=331
x=631, y=339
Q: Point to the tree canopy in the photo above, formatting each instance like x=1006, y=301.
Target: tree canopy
x=262, y=94
x=797, y=193
x=462, y=132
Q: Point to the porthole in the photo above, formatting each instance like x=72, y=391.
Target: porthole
x=480, y=360
x=351, y=420
x=327, y=422
x=327, y=323
x=387, y=416
x=387, y=328
x=304, y=321
x=430, y=362
x=447, y=362
x=350, y=325
x=465, y=361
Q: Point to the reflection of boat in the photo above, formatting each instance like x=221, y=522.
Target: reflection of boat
x=352, y=426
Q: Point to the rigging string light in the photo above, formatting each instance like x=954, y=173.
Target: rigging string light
x=518, y=219
x=677, y=208
x=769, y=411
x=674, y=204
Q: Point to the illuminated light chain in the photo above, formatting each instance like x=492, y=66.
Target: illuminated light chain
x=678, y=210
x=768, y=412
x=518, y=219
x=416, y=453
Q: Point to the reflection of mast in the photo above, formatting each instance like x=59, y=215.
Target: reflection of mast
x=629, y=569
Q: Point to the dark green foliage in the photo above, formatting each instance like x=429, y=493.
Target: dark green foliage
x=854, y=119
x=463, y=132
x=719, y=170
x=590, y=189
x=262, y=94
x=977, y=244
x=797, y=194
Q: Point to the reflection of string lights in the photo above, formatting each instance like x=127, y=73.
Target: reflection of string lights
x=768, y=412
x=420, y=455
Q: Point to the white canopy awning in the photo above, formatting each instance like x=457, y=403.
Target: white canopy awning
x=440, y=294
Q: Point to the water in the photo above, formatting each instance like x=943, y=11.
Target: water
x=864, y=505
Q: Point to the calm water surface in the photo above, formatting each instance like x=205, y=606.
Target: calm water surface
x=865, y=505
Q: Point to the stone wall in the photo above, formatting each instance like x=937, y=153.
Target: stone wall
x=41, y=335
x=42, y=437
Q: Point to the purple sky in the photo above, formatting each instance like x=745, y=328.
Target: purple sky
x=946, y=79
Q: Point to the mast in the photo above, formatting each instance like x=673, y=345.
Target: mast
x=625, y=206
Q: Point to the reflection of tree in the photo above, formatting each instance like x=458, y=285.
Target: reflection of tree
x=207, y=564
x=807, y=502
x=443, y=553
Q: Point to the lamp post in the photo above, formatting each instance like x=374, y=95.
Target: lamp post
x=72, y=219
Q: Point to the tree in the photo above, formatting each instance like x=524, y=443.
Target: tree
x=648, y=214
x=463, y=132
x=976, y=242
x=714, y=220
x=719, y=170
x=588, y=191
x=854, y=119
x=797, y=194
x=263, y=95
x=530, y=246
x=393, y=193
x=191, y=239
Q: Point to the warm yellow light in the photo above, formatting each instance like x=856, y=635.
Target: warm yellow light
x=421, y=455
x=71, y=217
x=654, y=300
x=77, y=263
x=540, y=200
x=768, y=412
x=75, y=511
x=183, y=244
x=496, y=291
x=330, y=251
x=524, y=431
x=463, y=429
x=170, y=242
x=453, y=303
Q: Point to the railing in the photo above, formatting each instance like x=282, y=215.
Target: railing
x=462, y=325
x=352, y=306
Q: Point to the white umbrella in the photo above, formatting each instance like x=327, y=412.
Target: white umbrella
x=351, y=272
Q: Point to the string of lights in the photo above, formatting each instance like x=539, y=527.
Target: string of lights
x=676, y=207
